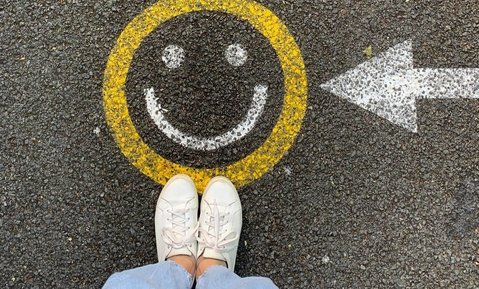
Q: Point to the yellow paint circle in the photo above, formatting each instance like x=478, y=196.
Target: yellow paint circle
x=244, y=171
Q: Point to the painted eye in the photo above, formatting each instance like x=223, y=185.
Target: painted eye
x=236, y=55
x=173, y=56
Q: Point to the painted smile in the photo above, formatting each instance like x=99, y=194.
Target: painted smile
x=173, y=56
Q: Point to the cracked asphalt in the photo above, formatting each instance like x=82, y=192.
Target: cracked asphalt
x=357, y=202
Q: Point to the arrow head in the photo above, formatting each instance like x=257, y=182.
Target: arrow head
x=383, y=85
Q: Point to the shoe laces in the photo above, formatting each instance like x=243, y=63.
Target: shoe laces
x=180, y=233
x=215, y=234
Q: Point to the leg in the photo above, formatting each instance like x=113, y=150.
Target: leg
x=163, y=275
x=219, y=277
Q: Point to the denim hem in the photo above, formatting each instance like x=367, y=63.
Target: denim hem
x=191, y=279
x=207, y=272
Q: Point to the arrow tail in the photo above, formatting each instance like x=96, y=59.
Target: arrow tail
x=446, y=83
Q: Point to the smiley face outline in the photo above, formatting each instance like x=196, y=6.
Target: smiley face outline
x=251, y=167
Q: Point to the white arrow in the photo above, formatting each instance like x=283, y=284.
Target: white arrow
x=389, y=85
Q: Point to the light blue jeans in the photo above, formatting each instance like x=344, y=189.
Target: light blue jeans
x=169, y=275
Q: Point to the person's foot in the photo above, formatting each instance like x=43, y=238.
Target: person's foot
x=176, y=221
x=219, y=225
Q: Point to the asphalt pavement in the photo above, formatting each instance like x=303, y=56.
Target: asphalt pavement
x=357, y=202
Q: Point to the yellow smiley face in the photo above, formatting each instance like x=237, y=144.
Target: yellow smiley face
x=244, y=171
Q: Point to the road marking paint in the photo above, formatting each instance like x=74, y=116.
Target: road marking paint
x=389, y=85
x=251, y=167
x=236, y=55
x=209, y=143
x=97, y=131
x=173, y=56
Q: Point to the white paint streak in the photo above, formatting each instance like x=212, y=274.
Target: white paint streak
x=325, y=259
x=236, y=55
x=97, y=131
x=388, y=85
x=210, y=143
x=287, y=171
x=173, y=56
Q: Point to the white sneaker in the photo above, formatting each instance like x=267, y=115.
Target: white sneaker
x=220, y=222
x=176, y=218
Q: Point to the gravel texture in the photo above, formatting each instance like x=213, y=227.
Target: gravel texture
x=356, y=203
